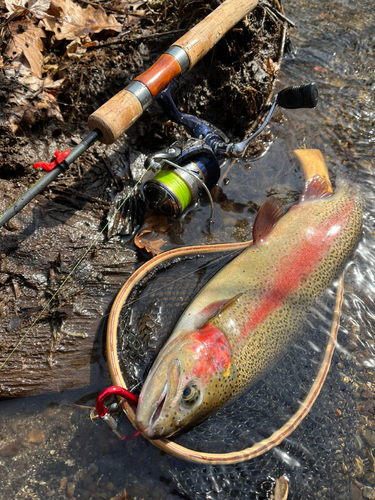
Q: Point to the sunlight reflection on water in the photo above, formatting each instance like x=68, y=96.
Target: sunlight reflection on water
x=334, y=46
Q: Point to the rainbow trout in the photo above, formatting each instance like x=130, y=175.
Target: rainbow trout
x=252, y=310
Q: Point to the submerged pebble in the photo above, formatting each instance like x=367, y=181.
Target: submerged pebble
x=70, y=489
x=368, y=493
x=11, y=449
x=35, y=436
x=369, y=436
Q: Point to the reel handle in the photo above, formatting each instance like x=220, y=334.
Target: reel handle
x=300, y=96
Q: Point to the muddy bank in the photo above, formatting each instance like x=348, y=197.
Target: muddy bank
x=46, y=112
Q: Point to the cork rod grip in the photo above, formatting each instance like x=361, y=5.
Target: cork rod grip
x=200, y=39
x=115, y=116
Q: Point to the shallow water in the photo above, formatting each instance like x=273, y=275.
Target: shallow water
x=329, y=455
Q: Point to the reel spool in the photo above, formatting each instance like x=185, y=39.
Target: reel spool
x=183, y=170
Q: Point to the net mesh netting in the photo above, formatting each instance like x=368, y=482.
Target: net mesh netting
x=147, y=319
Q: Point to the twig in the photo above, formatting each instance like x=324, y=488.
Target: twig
x=115, y=180
x=270, y=9
x=80, y=195
x=142, y=37
x=77, y=99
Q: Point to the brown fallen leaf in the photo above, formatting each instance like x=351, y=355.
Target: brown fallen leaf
x=70, y=21
x=271, y=67
x=152, y=236
x=27, y=41
x=34, y=96
x=77, y=47
x=281, y=489
x=37, y=7
x=21, y=73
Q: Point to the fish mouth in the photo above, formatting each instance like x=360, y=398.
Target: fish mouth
x=151, y=431
x=149, y=418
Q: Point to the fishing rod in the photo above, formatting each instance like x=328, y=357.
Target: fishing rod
x=114, y=117
x=188, y=166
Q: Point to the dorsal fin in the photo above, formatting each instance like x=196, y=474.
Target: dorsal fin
x=213, y=309
x=316, y=188
x=268, y=216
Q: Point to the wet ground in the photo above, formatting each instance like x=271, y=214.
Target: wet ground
x=49, y=447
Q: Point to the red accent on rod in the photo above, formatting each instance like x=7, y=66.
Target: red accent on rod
x=160, y=74
x=113, y=391
x=59, y=157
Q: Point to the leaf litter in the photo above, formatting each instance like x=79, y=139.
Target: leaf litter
x=33, y=32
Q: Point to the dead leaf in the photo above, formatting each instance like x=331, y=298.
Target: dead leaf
x=152, y=236
x=77, y=47
x=271, y=67
x=34, y=97
x=27, y=42
x=71, y=21
x=55, y=85
x=18, y=71
x=37, y=7
x=281, y=489
x=15, y=5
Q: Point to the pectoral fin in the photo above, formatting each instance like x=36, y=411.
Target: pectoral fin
x=213, y=310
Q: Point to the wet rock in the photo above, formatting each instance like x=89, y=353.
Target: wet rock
x=369, y=435
x=356, y=492
x=368, y=493
x=63, y=482
x=13, y=225
x=70, y=489
x=11, y=449
x=36, y=436
x=13, y=324
x=89, y=483
x=93, y=469
x=370, y=477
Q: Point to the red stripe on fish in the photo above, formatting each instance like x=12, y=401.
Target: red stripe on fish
x=218, y=352
x=297, y=269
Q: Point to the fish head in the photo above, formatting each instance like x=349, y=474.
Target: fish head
x=185, y=384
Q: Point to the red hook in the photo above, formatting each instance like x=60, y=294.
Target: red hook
x=104, y=413
x=113, y=391
x=59, y=157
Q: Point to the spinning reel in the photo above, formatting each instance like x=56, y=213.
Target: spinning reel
x=191, y=165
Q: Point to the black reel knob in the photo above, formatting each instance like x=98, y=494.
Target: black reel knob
x=300, y=96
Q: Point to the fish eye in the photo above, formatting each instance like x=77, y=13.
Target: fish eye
x=190, y=394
